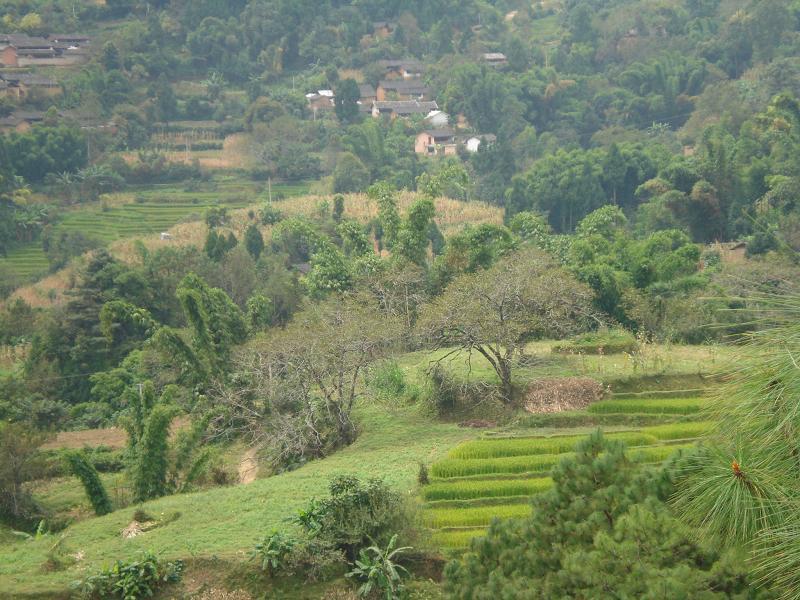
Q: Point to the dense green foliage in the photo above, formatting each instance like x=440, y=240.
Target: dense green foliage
x=131, y=580
x=95, y=491
x=603, y=526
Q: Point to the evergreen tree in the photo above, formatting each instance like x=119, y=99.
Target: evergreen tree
x=346, y=102
x=253, y=241
x=602, y=531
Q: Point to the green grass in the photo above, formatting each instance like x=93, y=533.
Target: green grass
x=467, y=490
x=499, y=448
x=473, y=517
x=227, y=522
x=665, y=406
x=458, y=538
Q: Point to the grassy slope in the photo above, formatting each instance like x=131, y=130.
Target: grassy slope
x=226, y=522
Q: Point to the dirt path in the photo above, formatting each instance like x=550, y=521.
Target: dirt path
x=248, y=467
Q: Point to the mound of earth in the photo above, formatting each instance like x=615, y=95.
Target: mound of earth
x=560, y=394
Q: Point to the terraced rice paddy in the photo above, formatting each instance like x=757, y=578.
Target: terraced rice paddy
x=156, y=209
x=495, y=476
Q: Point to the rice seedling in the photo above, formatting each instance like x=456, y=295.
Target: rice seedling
x=496, y=448
x=460, y=467
x=473, y=517
x=680, y=431
x=666, y=406
x=458, y=538
x=465, y=490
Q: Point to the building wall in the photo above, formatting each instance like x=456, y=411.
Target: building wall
x=422, y=142
x=8, y=57
x=55, y=61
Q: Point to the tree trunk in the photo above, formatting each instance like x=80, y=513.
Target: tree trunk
x=504, y=371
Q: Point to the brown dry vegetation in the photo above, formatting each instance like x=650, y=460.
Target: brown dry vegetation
x=560, y=394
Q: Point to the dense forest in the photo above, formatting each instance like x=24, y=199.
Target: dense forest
x=478, y=299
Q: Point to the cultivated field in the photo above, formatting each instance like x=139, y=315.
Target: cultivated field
x=495, y=475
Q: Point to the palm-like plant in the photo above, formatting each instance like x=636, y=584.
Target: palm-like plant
x=743, y=486
x=378, y=572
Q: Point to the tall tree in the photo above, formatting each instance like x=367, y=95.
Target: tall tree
x=495, y=312
x=346, y=101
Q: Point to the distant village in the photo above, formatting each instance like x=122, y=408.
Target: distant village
x=401, y=92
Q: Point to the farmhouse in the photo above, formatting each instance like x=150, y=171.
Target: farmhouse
x=436, y=142
x=17, y=50
x=473, y=143
x=437, y=119
x=402, y=89
x=21, y=121
x=401, y=68
x=402, y=108
x=367, y=93
x=495, y=59
x=321, y=100
x=20, y=85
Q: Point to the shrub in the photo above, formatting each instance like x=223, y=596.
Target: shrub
x=270, y=215
x=130, y=580
x=377, y=570
x=273, y=552
x=388, y=380
x=422, y=475
x=355, y=514
x=606, y=341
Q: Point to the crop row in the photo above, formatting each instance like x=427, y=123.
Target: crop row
x=466, y=490
x=496, y=448
x=475, y=516
x=666, y=406
x=537, y=463
x=457, y=538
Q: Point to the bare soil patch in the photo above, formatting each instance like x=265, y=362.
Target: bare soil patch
x=560, y=394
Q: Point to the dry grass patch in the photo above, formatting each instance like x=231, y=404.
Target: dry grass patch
x=562, y=394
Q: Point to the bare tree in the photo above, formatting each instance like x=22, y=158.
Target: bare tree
x=495, y=312
x=298, y=386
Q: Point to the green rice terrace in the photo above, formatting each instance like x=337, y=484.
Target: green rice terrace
x=152, y=209
x=495, y=475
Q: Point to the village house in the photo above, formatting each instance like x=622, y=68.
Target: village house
x=437, y=119
x=436, y=142
x=472, y=143
x=495, y=59
x=401, y=68
x=402, y=108
x=402, y=89
x=21, y=121
x=18, y=50
x=367, y=93
x=320, y=101
x=20, y=85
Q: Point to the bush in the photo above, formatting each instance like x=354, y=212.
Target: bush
x=355, y=515
x=388, y=380
x=273, y=552
x=130, y=580
x=606, y=341
x=270, y=215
